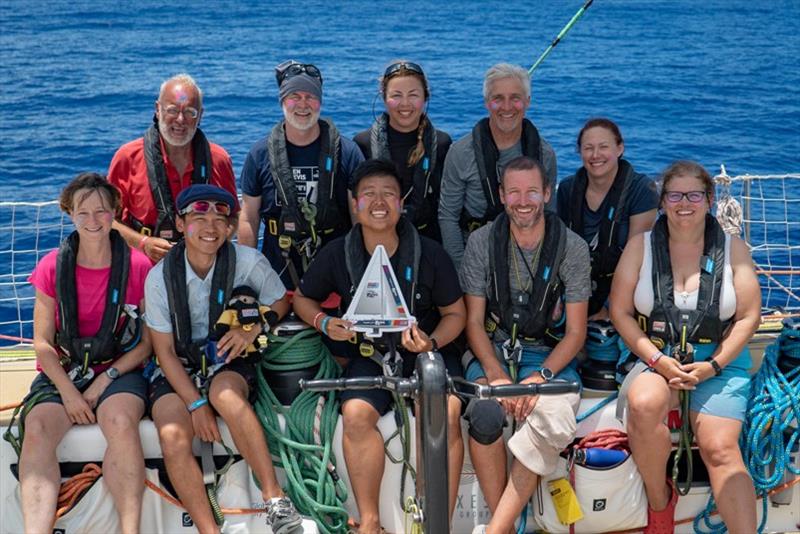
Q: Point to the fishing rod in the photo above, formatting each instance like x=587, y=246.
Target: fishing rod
x=561, y=35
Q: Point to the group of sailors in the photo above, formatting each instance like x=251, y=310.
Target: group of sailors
x=500, y=269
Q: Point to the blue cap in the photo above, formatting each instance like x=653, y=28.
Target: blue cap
x=197, y=192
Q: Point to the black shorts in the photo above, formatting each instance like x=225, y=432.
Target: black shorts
x=381, y=399
x=132, y=382
x=246, y=367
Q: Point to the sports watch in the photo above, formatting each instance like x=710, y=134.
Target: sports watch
x=546, y=373
x=112, y=373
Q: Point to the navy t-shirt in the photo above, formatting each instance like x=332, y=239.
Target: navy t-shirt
x=641, y=197
x=257, y=180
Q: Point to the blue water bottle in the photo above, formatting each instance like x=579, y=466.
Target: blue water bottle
x=594, y=457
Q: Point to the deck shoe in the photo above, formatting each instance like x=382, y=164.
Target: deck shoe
x=282, y=517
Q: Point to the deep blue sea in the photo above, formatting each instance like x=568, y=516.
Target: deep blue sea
x=716, y=81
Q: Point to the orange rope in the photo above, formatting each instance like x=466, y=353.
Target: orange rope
x=12, y=406
x=74, y=488
x=175, y=502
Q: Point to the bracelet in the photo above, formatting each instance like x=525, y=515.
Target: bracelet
x=142, y=242
x=323, y=326
x=716, y=366
x=654, y=359
x=314, y=322
x=202, y=401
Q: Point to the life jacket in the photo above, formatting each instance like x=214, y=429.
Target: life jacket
x=406, y=258
x=159, y=184
x=604, y=256
x=299, y=219
x=668, y=325
x=420, y=206
x=486, y=156
x=190, y=352
x=539, y=316
x=118, y=331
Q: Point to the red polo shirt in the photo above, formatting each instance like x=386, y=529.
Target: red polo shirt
x=128, y=172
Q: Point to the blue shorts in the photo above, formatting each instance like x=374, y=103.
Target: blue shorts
x=725, y=395
x=132, y=382
x=531, y=361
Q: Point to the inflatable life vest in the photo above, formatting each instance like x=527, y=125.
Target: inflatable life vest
x=486, y=156
x=605, y=255
x=159, y=185
x=300, y=220
x=669, y=325
x=192, y=353
x=538, y=314
x=420, y=206
x=407, y=258
x=119, y=332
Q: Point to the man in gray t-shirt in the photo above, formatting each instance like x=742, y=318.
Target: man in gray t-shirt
x=475, y=162
x=506, y=278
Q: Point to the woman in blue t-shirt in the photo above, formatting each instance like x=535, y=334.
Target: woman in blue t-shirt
x=605, y=202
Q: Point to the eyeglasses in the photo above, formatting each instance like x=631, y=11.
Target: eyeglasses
x=173, y=112
x=394, y=68
x=204, y=206
x=695, y=197
x=290, y=68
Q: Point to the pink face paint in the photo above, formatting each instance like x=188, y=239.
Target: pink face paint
x=179, y=94
x=362, y=203
x=518, y=105
x=392, y=102
x=494, y=105
x=314, y=104
x=191, y=229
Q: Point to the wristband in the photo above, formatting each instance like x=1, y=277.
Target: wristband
x=323, y=326
x=314, y=323
x=143, y=241
x=654, y=359
x=202, y=401
x=716, y=366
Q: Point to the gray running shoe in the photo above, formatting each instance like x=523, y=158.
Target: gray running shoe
x=282, y=517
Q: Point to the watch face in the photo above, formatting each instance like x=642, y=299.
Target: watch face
x=112, y=372
x=546, y=373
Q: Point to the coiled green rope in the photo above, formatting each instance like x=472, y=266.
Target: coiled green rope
x=304, y=447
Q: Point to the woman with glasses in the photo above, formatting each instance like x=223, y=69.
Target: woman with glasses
x=605, y=202
x=90, y=351
x=405, y=135
x=686, y=301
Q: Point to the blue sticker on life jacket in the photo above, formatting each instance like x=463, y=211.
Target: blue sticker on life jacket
x=203, y=171
x=611, y=213
x=709, y=268
x=425, y=164
x=328, y=164
x=546, y=273
x=115, y=296
x=220, y=296
x=408, y=274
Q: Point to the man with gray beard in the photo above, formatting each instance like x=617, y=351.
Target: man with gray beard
x=296, y=178
x=152, y=170
x=525, y=278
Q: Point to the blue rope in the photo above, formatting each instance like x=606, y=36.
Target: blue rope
x=771, y=430
x=597, y=407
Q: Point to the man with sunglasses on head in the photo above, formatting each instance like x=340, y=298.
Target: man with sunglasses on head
x=470, y=180
x=296, y=178
x=152, y=170
x=201, y=373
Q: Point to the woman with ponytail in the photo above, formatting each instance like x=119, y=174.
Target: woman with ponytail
x=404, y=134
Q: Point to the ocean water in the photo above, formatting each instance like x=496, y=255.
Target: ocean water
x=715, y=81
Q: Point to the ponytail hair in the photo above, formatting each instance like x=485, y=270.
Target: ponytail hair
x=418, y=151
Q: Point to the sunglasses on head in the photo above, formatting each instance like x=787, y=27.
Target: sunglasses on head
x=695, y=197
x=394, y=68
x=204, y=206
x=291, y=68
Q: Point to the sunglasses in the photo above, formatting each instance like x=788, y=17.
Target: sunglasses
x=695, y=197
x=204, y=206
x=290, y=68
x=402, y=65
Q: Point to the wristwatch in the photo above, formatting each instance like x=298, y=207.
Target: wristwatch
x=434, y=345
x=546, y=373
x=112, y=373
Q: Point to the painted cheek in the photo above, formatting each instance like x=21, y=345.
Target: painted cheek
x=392, y=103
x=494, y=105
x=314, y=104
x=191, y=229
x=107, y=217
x=535, y=197
x=81, y=220
x=362, y=203
x=290, y=104
x=518, y=105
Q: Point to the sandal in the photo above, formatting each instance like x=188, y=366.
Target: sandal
x=663, y=521
x=353, y=526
